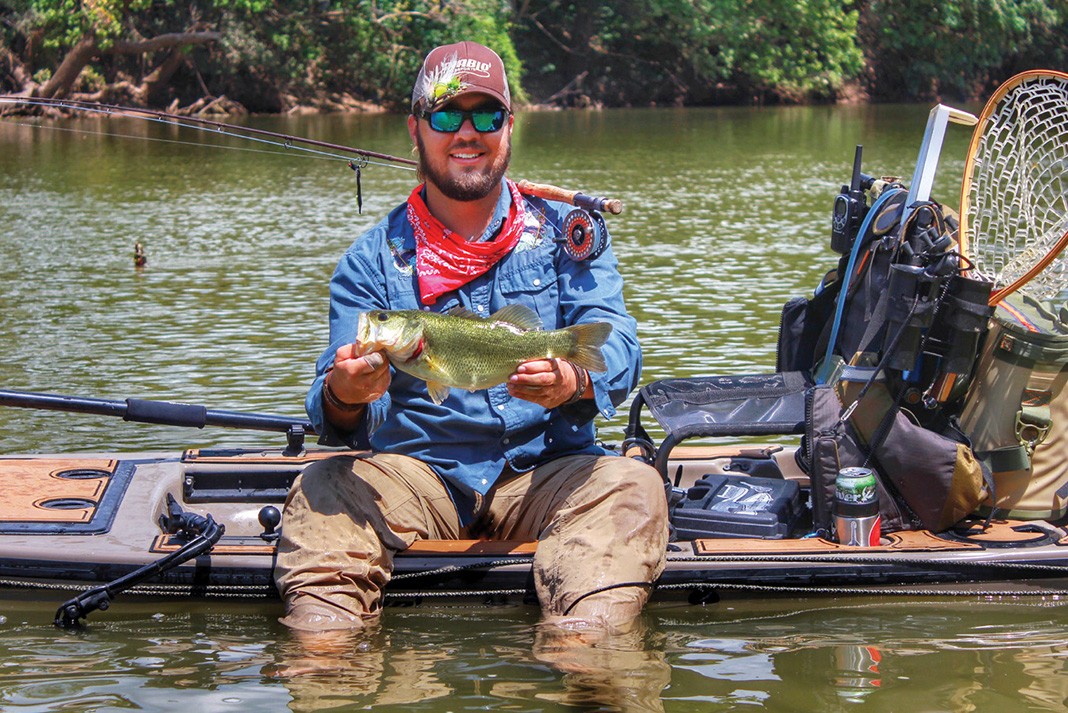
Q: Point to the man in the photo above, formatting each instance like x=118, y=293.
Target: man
x=517, y=461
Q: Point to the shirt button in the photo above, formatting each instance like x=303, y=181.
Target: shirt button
x=537, y=282
x=506, y=441
x=500, y=407
x=484, y=481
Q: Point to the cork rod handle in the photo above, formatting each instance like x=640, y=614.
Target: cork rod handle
x=575, y=198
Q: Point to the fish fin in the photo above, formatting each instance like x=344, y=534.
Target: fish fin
x=438, y=392
x=519, y=316
x=462, y=312
x=589, y=338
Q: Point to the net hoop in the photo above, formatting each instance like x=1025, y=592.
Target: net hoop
x=1046, y=246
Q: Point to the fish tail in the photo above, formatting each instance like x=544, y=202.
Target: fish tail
x=589, y=338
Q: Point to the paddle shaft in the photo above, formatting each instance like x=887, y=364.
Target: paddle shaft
x=164, y=413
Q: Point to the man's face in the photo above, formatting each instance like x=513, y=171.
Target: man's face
x=465, y=165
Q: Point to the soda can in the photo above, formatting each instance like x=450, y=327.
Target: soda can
x=856, y=508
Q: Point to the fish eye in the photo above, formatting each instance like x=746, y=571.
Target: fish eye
x=383, y=317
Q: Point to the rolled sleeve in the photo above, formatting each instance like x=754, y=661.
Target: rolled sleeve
x=356, y=286
x=592, y=291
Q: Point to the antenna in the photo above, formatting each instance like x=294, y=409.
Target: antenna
x=854, y=185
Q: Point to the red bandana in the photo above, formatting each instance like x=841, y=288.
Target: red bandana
x=443, y=260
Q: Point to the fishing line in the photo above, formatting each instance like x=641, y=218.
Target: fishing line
x=166, y=141
x=320, y=155
x=239, y=132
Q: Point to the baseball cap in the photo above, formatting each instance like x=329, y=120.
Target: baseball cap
x=451, y=71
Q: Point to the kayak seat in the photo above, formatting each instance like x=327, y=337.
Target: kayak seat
x=716, y=406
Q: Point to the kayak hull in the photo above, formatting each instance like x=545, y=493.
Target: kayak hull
x=73, y=522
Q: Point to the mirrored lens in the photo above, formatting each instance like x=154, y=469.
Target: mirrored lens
x=445, y=120
x=487, y=120
x=452, y=119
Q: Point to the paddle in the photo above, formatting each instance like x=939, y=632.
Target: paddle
x=164, y=413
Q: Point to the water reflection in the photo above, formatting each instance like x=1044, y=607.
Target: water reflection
x=375, y=667
x=782, y=655
x=915, y=655
x=339, y=669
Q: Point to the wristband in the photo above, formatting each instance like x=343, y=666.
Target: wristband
x=581, y=383
x=331, y=398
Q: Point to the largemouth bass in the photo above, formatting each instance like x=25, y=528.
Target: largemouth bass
x=461, y=349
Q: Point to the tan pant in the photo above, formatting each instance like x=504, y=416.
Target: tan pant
x=600, y=521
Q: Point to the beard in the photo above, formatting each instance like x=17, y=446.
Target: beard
x=470, y=185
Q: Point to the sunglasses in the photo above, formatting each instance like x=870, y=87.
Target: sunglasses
x=449, y=120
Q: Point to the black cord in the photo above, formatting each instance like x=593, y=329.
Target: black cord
x=605, y=589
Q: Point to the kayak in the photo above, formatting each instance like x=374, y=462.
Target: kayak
x=91, y=528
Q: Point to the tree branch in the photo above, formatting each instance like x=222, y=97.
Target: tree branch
x=166, y=41
x=155, y=80
x=552, y=38
x=60, y=83
x=406, y=13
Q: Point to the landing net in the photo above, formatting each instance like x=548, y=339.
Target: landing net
x=1014, y=204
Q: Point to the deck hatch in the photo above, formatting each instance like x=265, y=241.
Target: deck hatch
x=44, y=496
x=221, y=485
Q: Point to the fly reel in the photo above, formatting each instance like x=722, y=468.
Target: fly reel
x=585, y=235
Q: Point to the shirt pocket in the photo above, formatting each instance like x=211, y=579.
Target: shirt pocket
x=533, y=285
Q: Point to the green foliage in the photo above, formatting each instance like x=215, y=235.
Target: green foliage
x=274, y=53
x=640, y=51
x=66, y=22
x=800, y=48
x=960, y=47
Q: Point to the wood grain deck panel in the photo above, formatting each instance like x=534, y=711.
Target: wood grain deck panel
x=28, y=484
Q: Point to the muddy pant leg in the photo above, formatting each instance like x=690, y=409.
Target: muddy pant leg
x=343, y=521
x=600, y=522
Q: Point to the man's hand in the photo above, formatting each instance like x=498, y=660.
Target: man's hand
x=546, y=382
x=358, y=379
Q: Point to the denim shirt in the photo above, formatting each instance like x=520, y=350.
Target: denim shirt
x=472, y=437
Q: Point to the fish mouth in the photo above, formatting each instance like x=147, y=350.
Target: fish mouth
x=401, y=345
x=363, y=329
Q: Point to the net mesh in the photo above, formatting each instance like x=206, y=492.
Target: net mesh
x=1018, y=197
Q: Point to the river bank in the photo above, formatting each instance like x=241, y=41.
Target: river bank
x=852, y=93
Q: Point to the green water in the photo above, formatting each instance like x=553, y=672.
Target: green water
x=727, y=215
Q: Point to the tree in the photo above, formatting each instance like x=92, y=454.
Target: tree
x=83, y=32
x=267, y=55
x=960, y=48
x=689, y=51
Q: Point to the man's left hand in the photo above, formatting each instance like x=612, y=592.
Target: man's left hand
x=546, y=382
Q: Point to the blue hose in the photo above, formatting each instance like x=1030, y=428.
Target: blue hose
x=840, y=307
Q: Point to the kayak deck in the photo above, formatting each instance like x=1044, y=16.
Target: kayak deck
x=78, y=521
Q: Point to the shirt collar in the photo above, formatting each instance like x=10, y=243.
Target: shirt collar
x=500, y=213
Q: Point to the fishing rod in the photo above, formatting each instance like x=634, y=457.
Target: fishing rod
x=286, y=141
